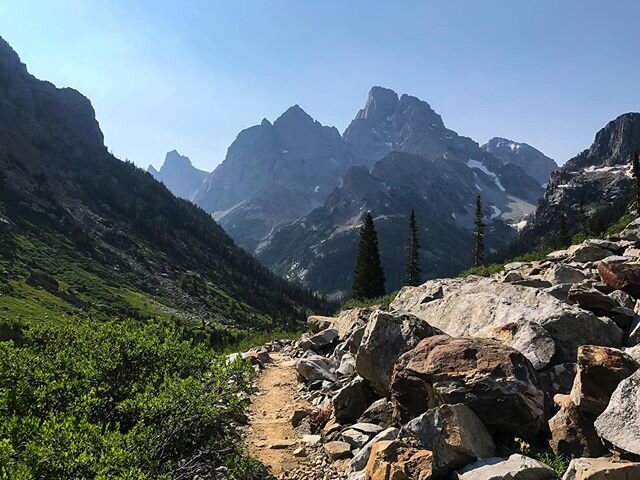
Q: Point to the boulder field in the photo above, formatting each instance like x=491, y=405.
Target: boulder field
x=476, y=378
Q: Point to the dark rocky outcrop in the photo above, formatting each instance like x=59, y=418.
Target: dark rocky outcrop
x=594, y=185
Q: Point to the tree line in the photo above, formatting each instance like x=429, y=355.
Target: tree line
x=369, y=278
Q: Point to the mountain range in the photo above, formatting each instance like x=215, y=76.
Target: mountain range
x=293, y=192
x=85, y=234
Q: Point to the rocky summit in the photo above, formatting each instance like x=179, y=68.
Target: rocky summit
x=467, y=378
x=274, y=173
x=530, y=159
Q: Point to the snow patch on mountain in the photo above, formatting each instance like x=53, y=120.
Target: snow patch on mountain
x=475, y=164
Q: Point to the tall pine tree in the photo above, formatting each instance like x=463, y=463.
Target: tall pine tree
x=635, y=202
x=368, y=281
x=478, y=235
x=412, y=267
x=564, y=239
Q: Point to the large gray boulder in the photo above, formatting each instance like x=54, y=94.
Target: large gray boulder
x=387, y=336
x=481, y=307
x=315, y=367
x=516, y=467
x=619, y=424
x=560, y=273
x=318, y=341
x=587, y=252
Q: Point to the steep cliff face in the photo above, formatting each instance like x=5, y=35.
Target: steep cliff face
x=274, y=173
x=179, y=175
x=595, y=183
x=535, y=163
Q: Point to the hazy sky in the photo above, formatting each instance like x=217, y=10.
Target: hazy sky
x=190, y=74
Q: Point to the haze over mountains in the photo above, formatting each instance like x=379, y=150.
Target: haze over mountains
x=83, y=233
x=294, y=191
x=179, y=175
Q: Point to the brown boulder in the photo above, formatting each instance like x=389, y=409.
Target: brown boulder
x=572, y=431
x=621, y=276
x=599, y=371
x=601, y=469
x=394, y=460
x=496, y=381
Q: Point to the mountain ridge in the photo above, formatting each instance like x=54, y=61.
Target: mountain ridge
x=84, y=233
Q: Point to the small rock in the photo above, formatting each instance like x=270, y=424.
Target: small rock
x=379, y=412
x=300, y=452
x=298, y=415
x=355, y=438
x=454, y=434
x=360, y=459
x=281, y=445
x=516, y=467
x=312, y=439
x=352, y=400
x=572, y=431
x=337, y=450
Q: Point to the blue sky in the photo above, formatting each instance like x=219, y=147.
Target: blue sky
x=191, y=74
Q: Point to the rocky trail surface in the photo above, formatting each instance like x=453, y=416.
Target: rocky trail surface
x=285, y=451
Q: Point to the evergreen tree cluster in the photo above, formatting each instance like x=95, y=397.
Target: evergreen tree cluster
x=369, y=279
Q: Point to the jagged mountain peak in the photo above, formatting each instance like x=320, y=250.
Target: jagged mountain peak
x=66, y=108
x=381, y=103
x=175, y=158
x=293, y=115
x=9, y=59
x=616, y=142
x=179, y=175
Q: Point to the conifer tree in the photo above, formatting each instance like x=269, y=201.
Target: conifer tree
x=368, y=281
x=412, y=267
x=563, y=234
x=478, y=235
x=635, y=163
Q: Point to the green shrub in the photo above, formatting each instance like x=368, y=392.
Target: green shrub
x=111, y=400
x=620, y=225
